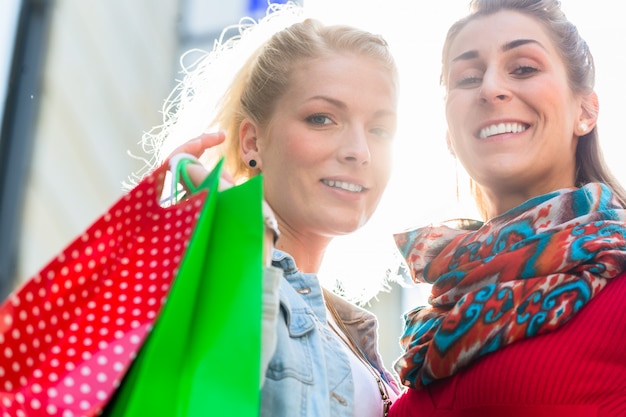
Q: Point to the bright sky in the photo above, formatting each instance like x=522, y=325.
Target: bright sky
x=422, y=189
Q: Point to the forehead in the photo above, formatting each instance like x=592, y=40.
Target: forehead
x=330, y=63
x=338, y=74
x=493, y=31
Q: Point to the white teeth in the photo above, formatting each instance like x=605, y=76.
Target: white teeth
x=501, y=128
x=344, y=185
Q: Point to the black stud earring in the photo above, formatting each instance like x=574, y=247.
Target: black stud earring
x=252, y=163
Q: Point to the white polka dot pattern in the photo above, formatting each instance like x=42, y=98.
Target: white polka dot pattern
x=68, y=335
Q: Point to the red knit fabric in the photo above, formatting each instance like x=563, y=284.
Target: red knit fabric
x=577, y=370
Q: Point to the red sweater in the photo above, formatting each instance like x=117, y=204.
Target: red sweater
x=578, y=370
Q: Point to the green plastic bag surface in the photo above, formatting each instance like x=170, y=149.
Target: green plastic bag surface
x=202, y=357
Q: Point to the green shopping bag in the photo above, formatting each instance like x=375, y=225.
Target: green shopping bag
x=203, y=356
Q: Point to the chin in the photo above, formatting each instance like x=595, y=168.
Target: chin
x=351, y=227
x=343, y=222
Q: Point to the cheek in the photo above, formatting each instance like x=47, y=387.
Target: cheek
x=282, y=152
x=302, y=149
x=452, y=142
x=386, y=169
x=382, y=164
x=457, y=104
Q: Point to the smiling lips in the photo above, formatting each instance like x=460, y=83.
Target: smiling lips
x=354, y=188
x=497, y=129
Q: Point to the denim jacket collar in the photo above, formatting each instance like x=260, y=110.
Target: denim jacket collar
x=362, y=324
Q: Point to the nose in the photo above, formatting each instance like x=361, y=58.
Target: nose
x=355, y=147
x=493, y=88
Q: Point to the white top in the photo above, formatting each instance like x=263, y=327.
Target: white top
x=368, y=401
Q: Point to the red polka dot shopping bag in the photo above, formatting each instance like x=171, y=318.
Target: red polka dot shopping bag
x=70, y=334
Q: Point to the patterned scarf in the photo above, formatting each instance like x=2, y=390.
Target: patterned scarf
x=523, y=273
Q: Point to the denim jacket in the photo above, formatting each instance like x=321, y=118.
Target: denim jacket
x=309, y=373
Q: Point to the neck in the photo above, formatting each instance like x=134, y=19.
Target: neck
x=496, y=202
x=307, y=251
x=496, y=206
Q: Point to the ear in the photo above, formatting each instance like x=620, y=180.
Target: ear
x=449, y=144
x=248, y=142
x=588, y=116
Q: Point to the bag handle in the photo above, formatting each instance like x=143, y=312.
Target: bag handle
x=178, y=167
x=178, y=164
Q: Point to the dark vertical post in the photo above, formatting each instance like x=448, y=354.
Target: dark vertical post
x=18, y=127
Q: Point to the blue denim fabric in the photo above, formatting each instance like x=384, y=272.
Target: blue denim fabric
x=309, y=373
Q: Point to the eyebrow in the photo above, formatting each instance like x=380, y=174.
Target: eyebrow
x=330, y=100
x=506, y=47
x=520, y=42
x=340, y=104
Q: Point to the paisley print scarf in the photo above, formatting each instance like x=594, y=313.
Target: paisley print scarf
x=521, y=274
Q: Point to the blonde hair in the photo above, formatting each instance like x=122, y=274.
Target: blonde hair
x=590, y=163
x=269, y=49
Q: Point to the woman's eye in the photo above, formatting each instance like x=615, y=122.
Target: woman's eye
x=468, y=81
x=319, y=119
x=523, y=70
x=382, y=132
